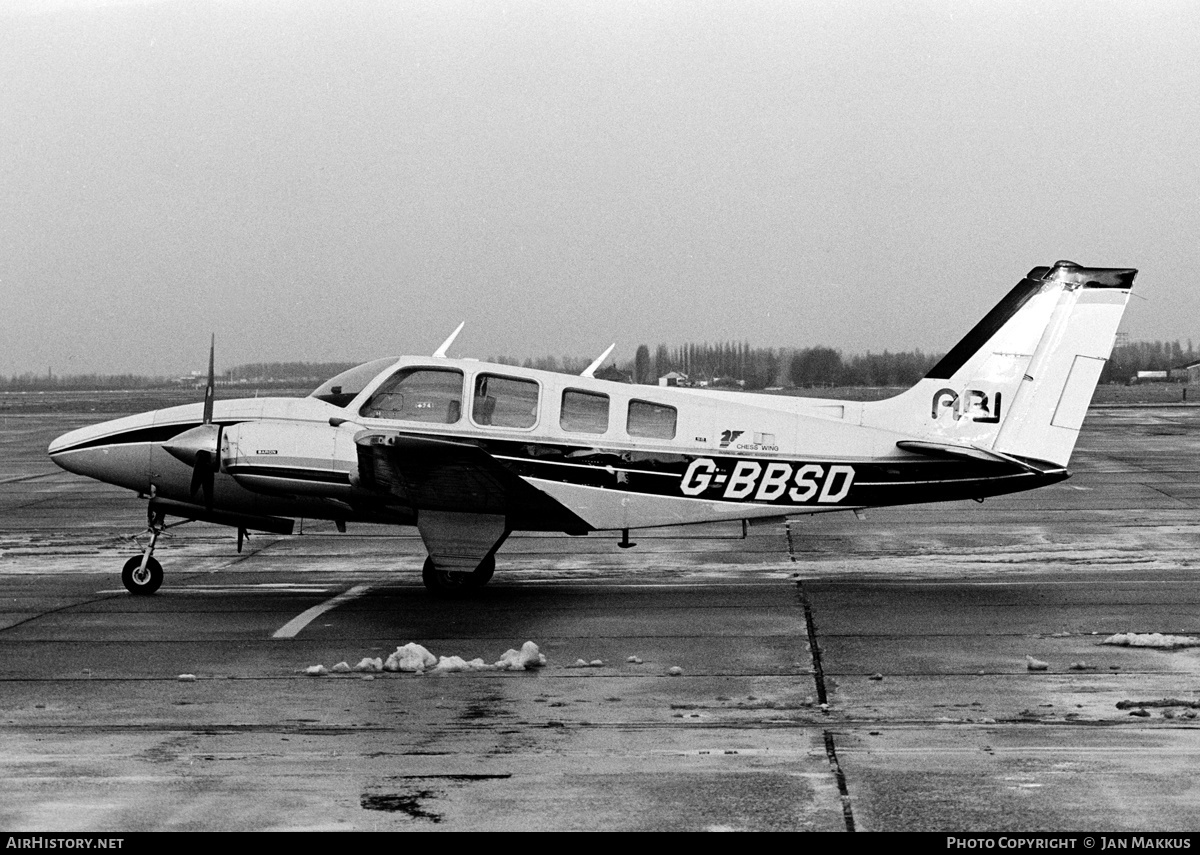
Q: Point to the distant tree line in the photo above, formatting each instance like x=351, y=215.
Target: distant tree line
x=291, y=373
x=558, y=364
x=729, y=364
x=721, y=364
x=277, y=374
x=81, y=382
x=1130, y=358
x=824, y=366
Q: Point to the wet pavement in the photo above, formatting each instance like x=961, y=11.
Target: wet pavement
x=834, y=674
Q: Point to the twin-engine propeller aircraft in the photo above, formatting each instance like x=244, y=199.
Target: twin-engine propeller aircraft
x=469, y=452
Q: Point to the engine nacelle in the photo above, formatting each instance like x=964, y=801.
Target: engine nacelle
x=290, y=458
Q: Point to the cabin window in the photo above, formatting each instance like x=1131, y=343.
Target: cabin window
x=655, y=421
x=432, y=395
x=584, y=412
x=504, y=401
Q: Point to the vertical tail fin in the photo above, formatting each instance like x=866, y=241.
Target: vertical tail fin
x=1019, y=383
x=1053, y=398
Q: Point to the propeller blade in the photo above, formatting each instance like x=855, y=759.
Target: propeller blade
x=202, y=477
x=200, y=448
x=210, y=388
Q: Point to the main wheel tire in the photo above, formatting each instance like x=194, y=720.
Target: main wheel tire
x=141, y=583
x=445, y=581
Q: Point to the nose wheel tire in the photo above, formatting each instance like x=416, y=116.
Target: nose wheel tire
x=141, y=582
x=444, y=581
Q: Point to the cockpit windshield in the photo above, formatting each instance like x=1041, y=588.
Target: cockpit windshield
x=343, y=389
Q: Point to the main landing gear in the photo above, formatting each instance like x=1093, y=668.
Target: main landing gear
x=449, y=581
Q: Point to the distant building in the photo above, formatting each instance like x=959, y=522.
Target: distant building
x=673, y=378
x=1191, y=372
x=612, y=372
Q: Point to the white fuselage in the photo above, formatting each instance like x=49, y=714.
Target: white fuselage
x=715, y=454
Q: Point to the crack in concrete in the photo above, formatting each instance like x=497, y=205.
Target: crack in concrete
x=822, y=697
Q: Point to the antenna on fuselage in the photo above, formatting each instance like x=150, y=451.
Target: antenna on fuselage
x=590, y=371
x=440, y=353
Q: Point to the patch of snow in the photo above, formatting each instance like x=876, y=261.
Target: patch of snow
x=187, y=678
x=520, y=660
x=636, y=660
x=450, y=663
x=1035, y=664
x=415, y=659
x=411, y=657
x=316, y=670
x=457, y=663
x=675, y=671
x=1151, y=639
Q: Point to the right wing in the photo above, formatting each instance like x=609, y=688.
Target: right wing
x=450, y=475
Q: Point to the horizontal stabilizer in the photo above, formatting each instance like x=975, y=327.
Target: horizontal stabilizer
x=943, y=450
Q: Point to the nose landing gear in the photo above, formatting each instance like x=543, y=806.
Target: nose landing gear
x=142, y=574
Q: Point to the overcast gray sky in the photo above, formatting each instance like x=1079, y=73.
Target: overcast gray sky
x=334, y=179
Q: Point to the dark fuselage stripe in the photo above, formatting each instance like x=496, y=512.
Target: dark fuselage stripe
x=154, y=434
x=605, y=468
x=290, y=473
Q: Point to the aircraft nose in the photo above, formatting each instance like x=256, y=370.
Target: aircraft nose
x=67, y=449
x=116, y=452
x=67, y=440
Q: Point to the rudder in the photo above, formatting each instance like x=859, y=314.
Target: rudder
x=1053, y=397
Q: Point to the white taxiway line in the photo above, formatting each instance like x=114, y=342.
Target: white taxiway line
x=293, y=626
